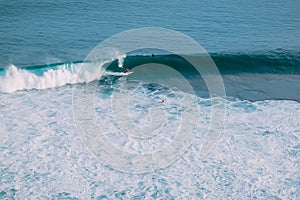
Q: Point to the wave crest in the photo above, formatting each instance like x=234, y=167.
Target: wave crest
x=21, y=79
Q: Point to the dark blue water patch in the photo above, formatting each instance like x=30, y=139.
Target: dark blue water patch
x=246, y=106
x=294, y=151
x=205, y=103
x=102, y=197
x=9, y=194
x=120, y=195
x=65, y=196
x=267, y=133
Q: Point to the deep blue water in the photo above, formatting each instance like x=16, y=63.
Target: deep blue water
x=39, y=32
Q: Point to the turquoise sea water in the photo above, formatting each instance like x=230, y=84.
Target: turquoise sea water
x=38, y=32
x=49, y=151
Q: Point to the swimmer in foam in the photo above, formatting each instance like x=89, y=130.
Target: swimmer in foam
x=162, y=101
x=127, y=70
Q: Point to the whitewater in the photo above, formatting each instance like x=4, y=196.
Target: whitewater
x=257, y=155
x=74, y=125
x=55, y=75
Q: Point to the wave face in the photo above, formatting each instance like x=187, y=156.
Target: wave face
x=274, y=62
x=252, y=76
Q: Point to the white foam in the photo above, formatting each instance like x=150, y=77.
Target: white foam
x=121, y=59
x=42, y=156
x=16, y=78
x=21, y=79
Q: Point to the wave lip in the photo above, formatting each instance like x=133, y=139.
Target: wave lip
x=15, y=79
x=51, y=75
x=21, y=79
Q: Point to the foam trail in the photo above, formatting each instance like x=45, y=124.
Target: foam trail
x=117, y=73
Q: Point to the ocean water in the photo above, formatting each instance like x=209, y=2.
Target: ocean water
x=219, y=120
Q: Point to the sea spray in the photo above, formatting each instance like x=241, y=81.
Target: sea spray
x=15, y=79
